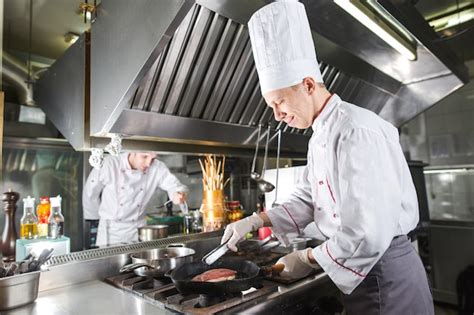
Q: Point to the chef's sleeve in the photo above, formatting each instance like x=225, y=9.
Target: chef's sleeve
x=293, y=215
x=91, y=195
x=168, y=181
x=369, y=167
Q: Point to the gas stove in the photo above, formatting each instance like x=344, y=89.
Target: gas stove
x=162, y=292
x=273, y=294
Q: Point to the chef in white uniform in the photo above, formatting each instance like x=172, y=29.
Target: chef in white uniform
x=118, y=192
x=357, y=187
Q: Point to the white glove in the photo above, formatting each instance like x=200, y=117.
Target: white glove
x=236, y=231
x=297, y=264
x=179, y=198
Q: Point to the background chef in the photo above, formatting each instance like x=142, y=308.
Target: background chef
x=357, y=187
x=118, y=192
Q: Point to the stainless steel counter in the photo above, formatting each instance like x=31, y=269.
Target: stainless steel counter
x=74, y=284
x=93, y=297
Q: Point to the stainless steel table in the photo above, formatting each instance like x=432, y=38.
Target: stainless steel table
x=93, y=297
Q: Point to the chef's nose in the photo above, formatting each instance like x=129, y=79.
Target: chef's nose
x=148, y=162
x=279, y=115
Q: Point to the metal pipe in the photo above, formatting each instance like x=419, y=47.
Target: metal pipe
x=18, y=81
x=15, y=73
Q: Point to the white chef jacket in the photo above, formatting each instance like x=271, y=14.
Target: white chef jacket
x=117, y=195
x=357, y=188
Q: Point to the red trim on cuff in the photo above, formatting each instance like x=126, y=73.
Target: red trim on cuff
x=283, y=206
x=353, y=271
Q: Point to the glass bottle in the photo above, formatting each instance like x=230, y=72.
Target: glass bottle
x=56, y=219
x=43, y=210
x=29, y=221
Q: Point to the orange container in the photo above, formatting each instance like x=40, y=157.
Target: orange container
x=43, y=211
x=214, y=210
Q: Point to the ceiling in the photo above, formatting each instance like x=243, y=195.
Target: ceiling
x=52, y=19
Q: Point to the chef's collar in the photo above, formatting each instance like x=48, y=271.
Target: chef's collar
x=327, y=109
x=125, y=162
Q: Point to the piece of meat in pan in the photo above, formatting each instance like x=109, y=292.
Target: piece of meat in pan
x=215, y=275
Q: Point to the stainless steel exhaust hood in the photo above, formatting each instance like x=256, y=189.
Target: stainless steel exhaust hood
x=183, y=71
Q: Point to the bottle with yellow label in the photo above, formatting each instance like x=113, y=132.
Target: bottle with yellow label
x=29, y=222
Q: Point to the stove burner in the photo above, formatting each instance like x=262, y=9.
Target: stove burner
x=205, y=300
x=152, y=283
x=163, y=293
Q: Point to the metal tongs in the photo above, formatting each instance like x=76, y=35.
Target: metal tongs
x=222, y=249
x=215, y=254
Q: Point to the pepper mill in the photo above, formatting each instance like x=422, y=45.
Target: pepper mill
x=9, y=235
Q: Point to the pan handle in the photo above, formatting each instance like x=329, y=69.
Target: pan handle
x=134, y=266
x=168, y=273
x=271, y=270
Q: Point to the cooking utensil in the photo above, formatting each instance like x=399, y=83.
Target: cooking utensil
x=152, y=232
x=163, y=205
x=18, y=290
x=184, y=207
x=215, y=254
x=222, y=249
x=254, y=175
x=160, y=260
x=42, y=258
x=263, y=185
x=213, y=172
x=274, y=204
x=248, y=275
x=249, y=245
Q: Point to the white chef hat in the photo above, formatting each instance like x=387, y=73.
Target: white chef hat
x=282, y=45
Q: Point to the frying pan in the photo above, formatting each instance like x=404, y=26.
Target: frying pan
x=248, y=275
x=156, y=262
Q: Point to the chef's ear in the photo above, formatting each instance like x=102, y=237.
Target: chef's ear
x=309, y=85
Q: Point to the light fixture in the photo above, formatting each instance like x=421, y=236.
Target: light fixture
x=71, y=37
x=452, y=20
x=377, y=20
x=89, y=11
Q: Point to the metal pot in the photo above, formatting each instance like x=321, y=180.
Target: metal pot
x=158, y=261
x=298, y=244
x=18, y=290
x=152, y=232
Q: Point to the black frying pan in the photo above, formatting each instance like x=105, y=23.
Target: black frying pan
x=248, y=275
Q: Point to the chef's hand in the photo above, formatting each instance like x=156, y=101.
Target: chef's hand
x=236, y=231
x=297, y=264
x=179, y=198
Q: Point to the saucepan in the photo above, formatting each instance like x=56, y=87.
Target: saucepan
x=158, y=261
x=248, y=275
x=152, y=232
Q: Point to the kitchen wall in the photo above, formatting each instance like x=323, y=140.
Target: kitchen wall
x=46, y=169
x=443, y=137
